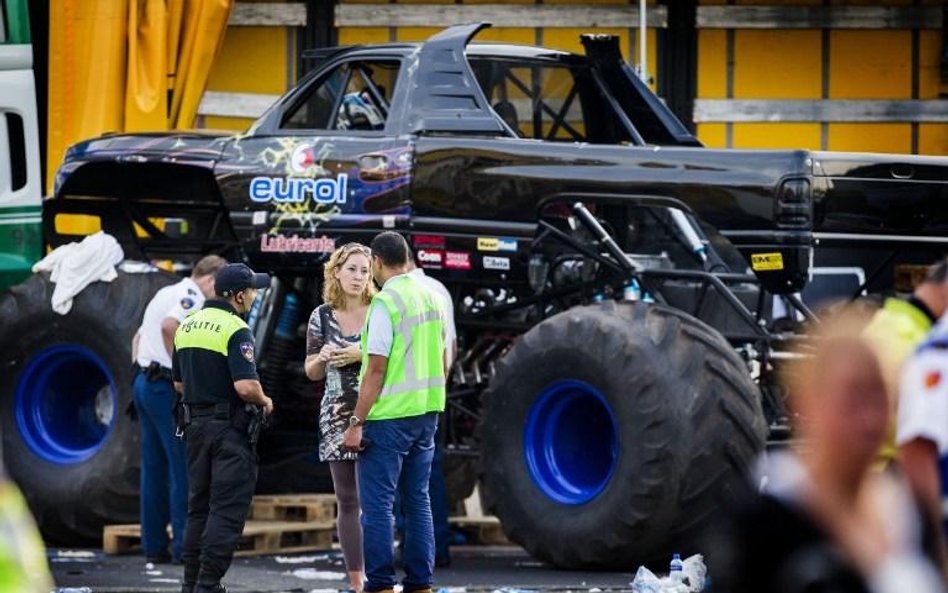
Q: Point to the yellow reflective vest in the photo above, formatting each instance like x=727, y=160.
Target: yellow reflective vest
x=894, y=332
x=414, y=382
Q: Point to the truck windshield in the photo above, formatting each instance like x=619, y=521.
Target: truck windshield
x=549, y=101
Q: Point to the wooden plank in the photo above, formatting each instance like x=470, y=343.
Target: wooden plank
x=121, y=539
x=313, y=507
x=488, y=529
x=270, y=14
x=269, y=537
x=248, y=105
x=500, y=15
x=258, y=537
x=838, y=110
x=819, y=17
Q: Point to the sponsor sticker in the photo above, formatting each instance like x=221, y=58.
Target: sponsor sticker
x=496, y=244
x=457, y=260
x=187, y=303
x=302, y=158
x=766, y=262
x=496, y=263
x=296, y=244
x=246, y=348
x=429, y=241
x=430, y=258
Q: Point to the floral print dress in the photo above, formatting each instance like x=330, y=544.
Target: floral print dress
x=341, y=386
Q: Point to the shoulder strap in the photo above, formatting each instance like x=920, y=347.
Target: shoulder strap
x=324, y=319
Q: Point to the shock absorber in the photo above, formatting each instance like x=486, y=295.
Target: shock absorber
x=281, y=349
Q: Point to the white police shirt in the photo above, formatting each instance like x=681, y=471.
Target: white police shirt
x=176, y=301
x=923, y=393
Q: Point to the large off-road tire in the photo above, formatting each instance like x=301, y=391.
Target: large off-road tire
x=612, y=433
x=65, y=382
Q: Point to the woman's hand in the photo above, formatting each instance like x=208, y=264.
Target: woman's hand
x=347, y=355
x=325, y=354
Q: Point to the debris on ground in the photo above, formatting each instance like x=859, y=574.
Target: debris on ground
x=694, y=573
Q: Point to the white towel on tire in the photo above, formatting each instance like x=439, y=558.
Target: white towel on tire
x=74, y=266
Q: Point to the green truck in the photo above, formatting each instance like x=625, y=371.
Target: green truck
x=20, y=175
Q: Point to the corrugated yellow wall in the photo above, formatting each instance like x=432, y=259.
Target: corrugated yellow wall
x=788, y=64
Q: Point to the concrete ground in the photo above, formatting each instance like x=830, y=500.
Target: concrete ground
x=474, y=569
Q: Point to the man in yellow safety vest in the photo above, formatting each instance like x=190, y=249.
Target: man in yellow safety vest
x=402, y=389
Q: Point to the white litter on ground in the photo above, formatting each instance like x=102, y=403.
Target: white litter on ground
x=311, y=574
x=154, y=573
x=75, y=554
x=301, y=559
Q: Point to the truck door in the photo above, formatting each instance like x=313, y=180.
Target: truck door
x=321, y=167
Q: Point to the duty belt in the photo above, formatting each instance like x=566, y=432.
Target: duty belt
x=221, y=411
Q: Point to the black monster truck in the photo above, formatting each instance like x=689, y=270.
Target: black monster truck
x=623, y=294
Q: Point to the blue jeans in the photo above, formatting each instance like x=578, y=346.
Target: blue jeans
x=438, y=493
x=164, y=476
x=399, y=459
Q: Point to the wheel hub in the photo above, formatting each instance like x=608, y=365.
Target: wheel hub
x=571, y=442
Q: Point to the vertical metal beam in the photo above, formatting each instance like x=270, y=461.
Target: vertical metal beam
x=729, y=126
x=320, y=31
x=916, y=64
x=825, y=74
x=678, y=61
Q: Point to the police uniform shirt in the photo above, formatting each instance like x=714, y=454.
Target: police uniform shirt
x=209, y=376
x=923, y=397
x=176, y=301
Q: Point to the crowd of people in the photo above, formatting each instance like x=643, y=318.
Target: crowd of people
x=856, y=506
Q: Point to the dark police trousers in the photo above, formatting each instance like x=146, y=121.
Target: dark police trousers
x=222, y=469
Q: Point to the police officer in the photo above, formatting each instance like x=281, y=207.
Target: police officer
x=214, y=368
x=164, y=475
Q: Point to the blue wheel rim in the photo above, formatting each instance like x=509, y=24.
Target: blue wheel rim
x=571, y=442
x=65, y=403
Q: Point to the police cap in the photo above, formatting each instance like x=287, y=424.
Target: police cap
x=233, y=278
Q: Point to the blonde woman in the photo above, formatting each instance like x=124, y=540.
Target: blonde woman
x=333, y=354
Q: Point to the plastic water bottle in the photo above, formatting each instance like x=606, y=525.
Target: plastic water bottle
x=675, y=570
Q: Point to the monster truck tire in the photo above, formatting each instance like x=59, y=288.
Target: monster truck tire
x=612, y=433
x=65, y=384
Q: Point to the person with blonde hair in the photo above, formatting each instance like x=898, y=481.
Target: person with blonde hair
x=333, y=353
x=824, y=521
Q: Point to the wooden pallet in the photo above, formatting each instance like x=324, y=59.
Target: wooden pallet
x=258, y=537
x=487, y=529
x=284, y=537
x=294, y=507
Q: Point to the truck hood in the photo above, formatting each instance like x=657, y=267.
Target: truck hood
x=189, y=146
x=880, y=194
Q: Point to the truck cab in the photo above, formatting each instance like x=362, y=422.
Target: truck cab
x=20, y=183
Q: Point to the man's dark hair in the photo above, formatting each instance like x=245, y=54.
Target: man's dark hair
x=391, y=248
x=938, y=273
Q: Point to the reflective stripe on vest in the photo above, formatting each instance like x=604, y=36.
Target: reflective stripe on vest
x=210, y=329
x=414, y=378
